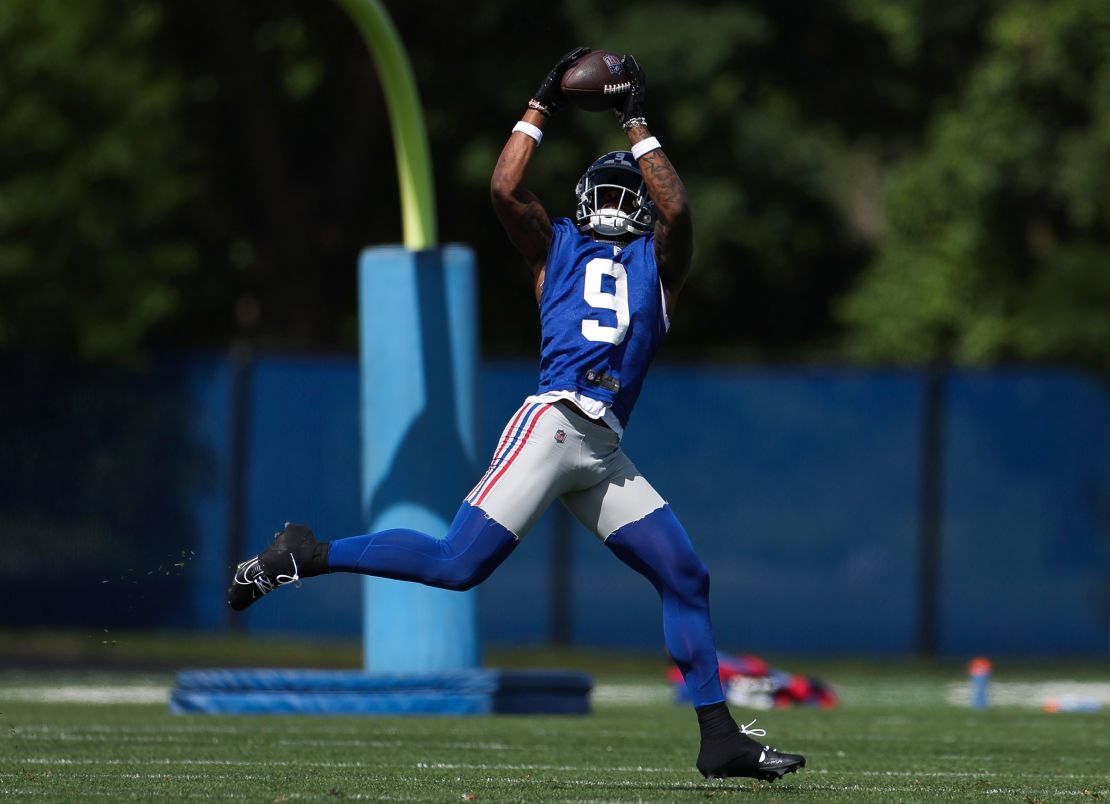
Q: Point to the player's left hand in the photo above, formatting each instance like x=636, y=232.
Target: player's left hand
x=549, y=97
x=632, y=112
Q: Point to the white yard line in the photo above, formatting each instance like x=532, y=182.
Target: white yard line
x=1090, y=694
x=809, y=781
x=632, y=694
x=87, y=694
x=1035, y=694
x=528, y=767
x=607, y=694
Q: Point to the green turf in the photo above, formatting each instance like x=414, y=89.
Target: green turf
x=893, y=739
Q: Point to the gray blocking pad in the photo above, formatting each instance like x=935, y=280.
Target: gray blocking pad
x=353, y=692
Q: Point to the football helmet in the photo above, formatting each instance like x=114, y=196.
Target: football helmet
x=612, y=198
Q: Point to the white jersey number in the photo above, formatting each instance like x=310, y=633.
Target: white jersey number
x=617, y=301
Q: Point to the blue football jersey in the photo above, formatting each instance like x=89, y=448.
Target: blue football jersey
x=601, y=316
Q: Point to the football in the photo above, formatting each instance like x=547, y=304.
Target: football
x=596, y=82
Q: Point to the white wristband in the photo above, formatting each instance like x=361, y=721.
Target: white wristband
x=524, y=127
x=645, y=146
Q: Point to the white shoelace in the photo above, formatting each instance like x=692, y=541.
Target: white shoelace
x=747, y=729
x=296, y=577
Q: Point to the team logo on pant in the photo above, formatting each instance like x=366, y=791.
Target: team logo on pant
x=560, y=436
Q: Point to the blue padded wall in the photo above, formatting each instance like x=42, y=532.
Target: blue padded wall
x=800, y=488
x=303, y=458
x=208, y=381
x=800, y=493
x=1026, y=518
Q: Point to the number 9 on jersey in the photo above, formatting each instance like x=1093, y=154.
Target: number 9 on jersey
x=617, y=301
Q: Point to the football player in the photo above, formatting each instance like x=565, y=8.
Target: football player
x=606, y=284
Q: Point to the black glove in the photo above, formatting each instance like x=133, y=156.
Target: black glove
x=549, y=97
x=632, y=112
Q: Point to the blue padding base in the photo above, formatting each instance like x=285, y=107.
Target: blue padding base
x=353, y=692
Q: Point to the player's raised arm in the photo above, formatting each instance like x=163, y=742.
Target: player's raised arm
x=674, y=228
x=519, y=210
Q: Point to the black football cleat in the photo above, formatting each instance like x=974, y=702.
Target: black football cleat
x=740, y=755
x=285, y=561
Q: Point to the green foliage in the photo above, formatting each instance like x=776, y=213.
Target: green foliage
x=890, y=180
x=91, y=171
x=999, y=230
x=771, y=244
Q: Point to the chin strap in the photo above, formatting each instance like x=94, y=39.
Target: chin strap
x=618, y=224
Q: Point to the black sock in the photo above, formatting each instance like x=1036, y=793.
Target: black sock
x=716, y=722
x=722, y=744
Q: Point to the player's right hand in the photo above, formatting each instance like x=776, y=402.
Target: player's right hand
x=549, y=98
x=632, y=110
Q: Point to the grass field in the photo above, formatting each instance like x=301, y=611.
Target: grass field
x=897, y=736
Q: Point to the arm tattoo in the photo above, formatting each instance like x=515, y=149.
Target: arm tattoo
x=673, y=234
x=664, y=183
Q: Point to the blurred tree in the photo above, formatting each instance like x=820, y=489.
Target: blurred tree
x=91, y=174
x=889, y=179
x=782, y=124
x=998, y=236
x=287, y=123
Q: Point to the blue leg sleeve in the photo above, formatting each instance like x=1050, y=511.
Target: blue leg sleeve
x=474, y=546
x=659, y=548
